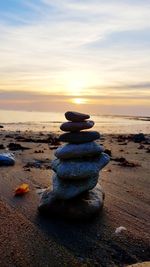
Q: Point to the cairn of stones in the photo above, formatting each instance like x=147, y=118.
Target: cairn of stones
x=76, y=193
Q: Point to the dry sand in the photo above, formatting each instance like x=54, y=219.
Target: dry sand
x=27, y=239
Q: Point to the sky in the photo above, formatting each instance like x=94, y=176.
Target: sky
x=87, y=55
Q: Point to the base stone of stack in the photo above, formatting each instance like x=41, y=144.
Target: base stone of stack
x=83, y=207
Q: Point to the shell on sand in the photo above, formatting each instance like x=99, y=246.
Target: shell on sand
x=140, y=264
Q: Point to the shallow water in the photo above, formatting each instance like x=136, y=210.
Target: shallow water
x=50, y=121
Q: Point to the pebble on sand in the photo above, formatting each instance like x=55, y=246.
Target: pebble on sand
x=7, y=159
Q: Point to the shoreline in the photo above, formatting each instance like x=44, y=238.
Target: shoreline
x=49, y=122
x=54, y=242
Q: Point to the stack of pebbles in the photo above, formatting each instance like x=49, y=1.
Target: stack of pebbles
x=76, y=193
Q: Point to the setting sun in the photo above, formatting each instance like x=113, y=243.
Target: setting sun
x=79, y=101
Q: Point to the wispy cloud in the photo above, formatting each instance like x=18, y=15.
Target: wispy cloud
x=52, y=46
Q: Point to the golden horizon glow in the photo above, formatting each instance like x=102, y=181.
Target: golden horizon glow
x=79, y=101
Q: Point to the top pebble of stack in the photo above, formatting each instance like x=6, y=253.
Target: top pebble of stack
x=76, y=116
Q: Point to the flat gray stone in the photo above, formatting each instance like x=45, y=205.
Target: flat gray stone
x=84, y=207
x=76, y=126
x=79, y=137
x=70, y=151
x=76, y=116
x=65, y=189
x=79, y=168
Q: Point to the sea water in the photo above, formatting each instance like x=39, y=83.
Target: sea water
x=50, y=121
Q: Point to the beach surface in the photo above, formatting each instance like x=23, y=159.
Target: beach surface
x=28, y=239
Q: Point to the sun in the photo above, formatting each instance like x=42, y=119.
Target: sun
x=79, y=101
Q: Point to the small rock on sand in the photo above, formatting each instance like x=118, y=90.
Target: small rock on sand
x=139, y=138
x=7, y=159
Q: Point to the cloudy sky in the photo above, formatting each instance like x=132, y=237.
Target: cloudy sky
x=76, y=54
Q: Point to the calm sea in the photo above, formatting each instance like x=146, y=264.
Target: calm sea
x=50, y=121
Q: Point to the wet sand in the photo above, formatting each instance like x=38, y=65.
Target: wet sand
x=27, y=239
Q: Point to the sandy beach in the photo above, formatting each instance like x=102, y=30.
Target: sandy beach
x=28, y=239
